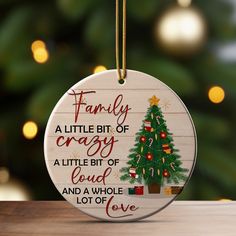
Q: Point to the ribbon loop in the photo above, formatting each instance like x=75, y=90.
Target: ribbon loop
x=121, y=75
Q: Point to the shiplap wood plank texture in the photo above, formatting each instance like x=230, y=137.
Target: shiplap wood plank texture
x=181, y=218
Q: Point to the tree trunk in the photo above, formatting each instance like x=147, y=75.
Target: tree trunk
x=154, y=188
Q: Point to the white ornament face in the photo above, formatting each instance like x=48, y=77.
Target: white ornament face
x=120, y=152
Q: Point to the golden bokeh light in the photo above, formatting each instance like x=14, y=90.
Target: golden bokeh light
x=181, y=30
x=216, y=94
x=181, y=25
x=98, y=69
x=41, y=55
x=4, y=175
x=14, y=190
x=184, y=3
x=37, y=45
x=225, y=200
x=30, y=130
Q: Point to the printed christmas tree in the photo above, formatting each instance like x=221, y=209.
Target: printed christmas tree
x=154, y=159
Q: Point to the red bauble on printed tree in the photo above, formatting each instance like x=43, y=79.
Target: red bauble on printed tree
x=143, y=139
x=163, y=135
x=149, y=156
x=166, y=173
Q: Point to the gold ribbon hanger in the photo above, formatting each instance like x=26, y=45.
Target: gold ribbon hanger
x=121, y=75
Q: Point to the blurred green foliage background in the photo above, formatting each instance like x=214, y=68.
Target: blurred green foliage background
x=80, y=34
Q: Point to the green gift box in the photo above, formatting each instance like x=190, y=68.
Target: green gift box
x=131, y=191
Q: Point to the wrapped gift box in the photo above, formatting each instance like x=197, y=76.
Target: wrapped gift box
x=139, y=190
x=131, y=191
x=176, y=189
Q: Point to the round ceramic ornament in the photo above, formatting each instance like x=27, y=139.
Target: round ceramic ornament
x=120, y=152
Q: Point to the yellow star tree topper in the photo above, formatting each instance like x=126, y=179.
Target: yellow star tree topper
x=154, y=101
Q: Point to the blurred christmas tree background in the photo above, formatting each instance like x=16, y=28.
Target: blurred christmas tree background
x=190, y=50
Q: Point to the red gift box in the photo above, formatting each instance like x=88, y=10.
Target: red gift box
x=139, y=190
